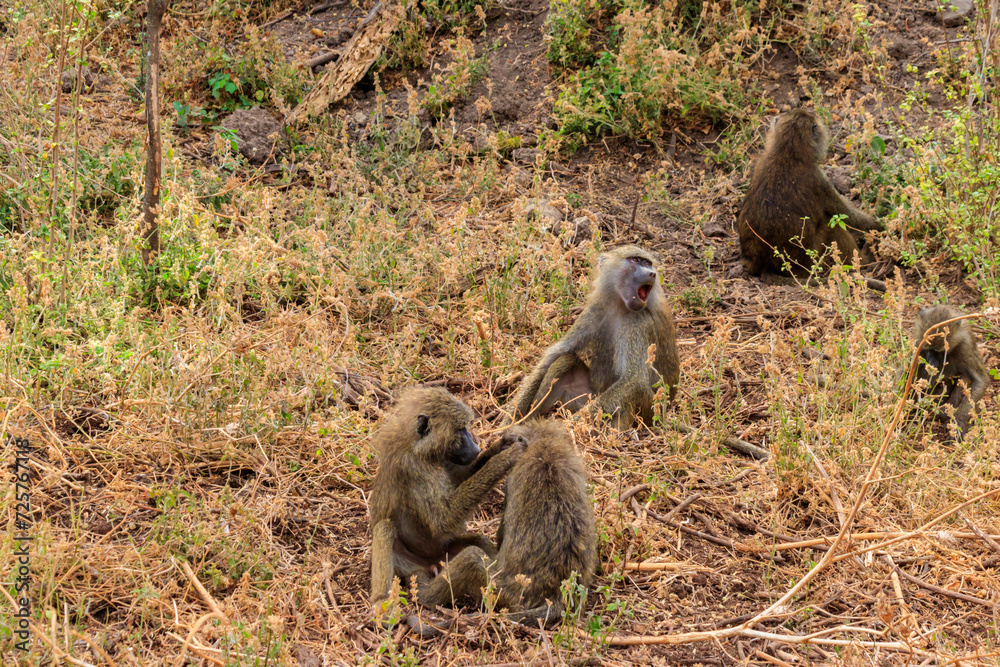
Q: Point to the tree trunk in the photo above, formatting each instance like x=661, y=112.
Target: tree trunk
x=150, y=230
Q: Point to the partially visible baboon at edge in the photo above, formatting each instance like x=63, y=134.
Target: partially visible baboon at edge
x=431, y=477
x=952, y=365
x=790, y=202
x=626, y=312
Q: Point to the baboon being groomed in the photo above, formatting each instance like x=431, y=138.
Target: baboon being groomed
x=548, y=533
x=431, y=477
x=787, y=210
x=626, y=312
x=952, y=365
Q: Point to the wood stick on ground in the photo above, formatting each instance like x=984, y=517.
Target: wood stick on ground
x=983, y=536
x=321, y=59
x=943, y=591
x=367, y=44
x=646, y=566
x=189, y=573
x=742, y=446
x=906, y=616
x=834, y=498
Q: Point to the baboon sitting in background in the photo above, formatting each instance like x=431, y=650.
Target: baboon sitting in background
x=790, y=202
x=626, y=312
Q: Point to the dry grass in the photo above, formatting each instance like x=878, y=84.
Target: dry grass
x=213, y=511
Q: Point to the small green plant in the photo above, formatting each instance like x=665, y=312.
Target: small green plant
x=454, y=83
x=655, y=72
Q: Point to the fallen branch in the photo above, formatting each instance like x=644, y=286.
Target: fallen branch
x=742, y=446
x=646, y=566
x=983, y=536
x=367, y=44
x=942, y=591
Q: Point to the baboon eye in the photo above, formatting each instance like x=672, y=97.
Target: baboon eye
x=642, y=261
x=423, y=427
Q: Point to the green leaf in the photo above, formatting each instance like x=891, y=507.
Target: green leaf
x=878, y=145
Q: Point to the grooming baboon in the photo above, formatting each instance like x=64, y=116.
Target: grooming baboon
x=626, y=313
x=431, y=477
x=790, y=202
x=951, y=363
x=546, y=534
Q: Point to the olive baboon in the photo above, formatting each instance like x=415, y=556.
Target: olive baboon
x=951, y=363
x=627, y=312
x=547, y=533
x=431, y=477
x=790, y=202
x=548, y=529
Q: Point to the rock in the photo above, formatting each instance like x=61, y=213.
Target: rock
x=736, y=271
x=69, y=80
x=305, y=657
x=526, y=156
x=900, y=48
x=582, y=230
x=956, y=13
x=715, y=229
x=259, y=136
x=841, y=179
x=550, y=217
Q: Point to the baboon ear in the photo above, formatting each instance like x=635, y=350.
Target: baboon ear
x=423, y=428
x=815, y=131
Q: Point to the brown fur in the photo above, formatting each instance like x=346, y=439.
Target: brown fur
x=952, y=365
x=789, y=196
x=421, y=498
x=617, y=338
x=547, y=533
x=548, y=529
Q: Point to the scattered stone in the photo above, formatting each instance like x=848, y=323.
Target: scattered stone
x=841, y=179
x=526, y=156
x=259, y=136
x=582, y=230
x=305, y=657
x=956, y=13
x=736, y=271
x=715, y=229
x=550, y=217
x=900, y=48
x=69, y=80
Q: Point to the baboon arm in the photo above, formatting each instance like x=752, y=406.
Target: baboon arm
x=462, y=474
x=531, y=389
x=466, y=497
x=626, y=399
x=979, y=381
x=471, y=492
x=383, y=538
x=838, y=205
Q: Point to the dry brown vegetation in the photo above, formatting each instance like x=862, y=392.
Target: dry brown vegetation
x=202, y=441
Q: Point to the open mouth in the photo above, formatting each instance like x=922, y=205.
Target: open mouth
x=644, y=292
